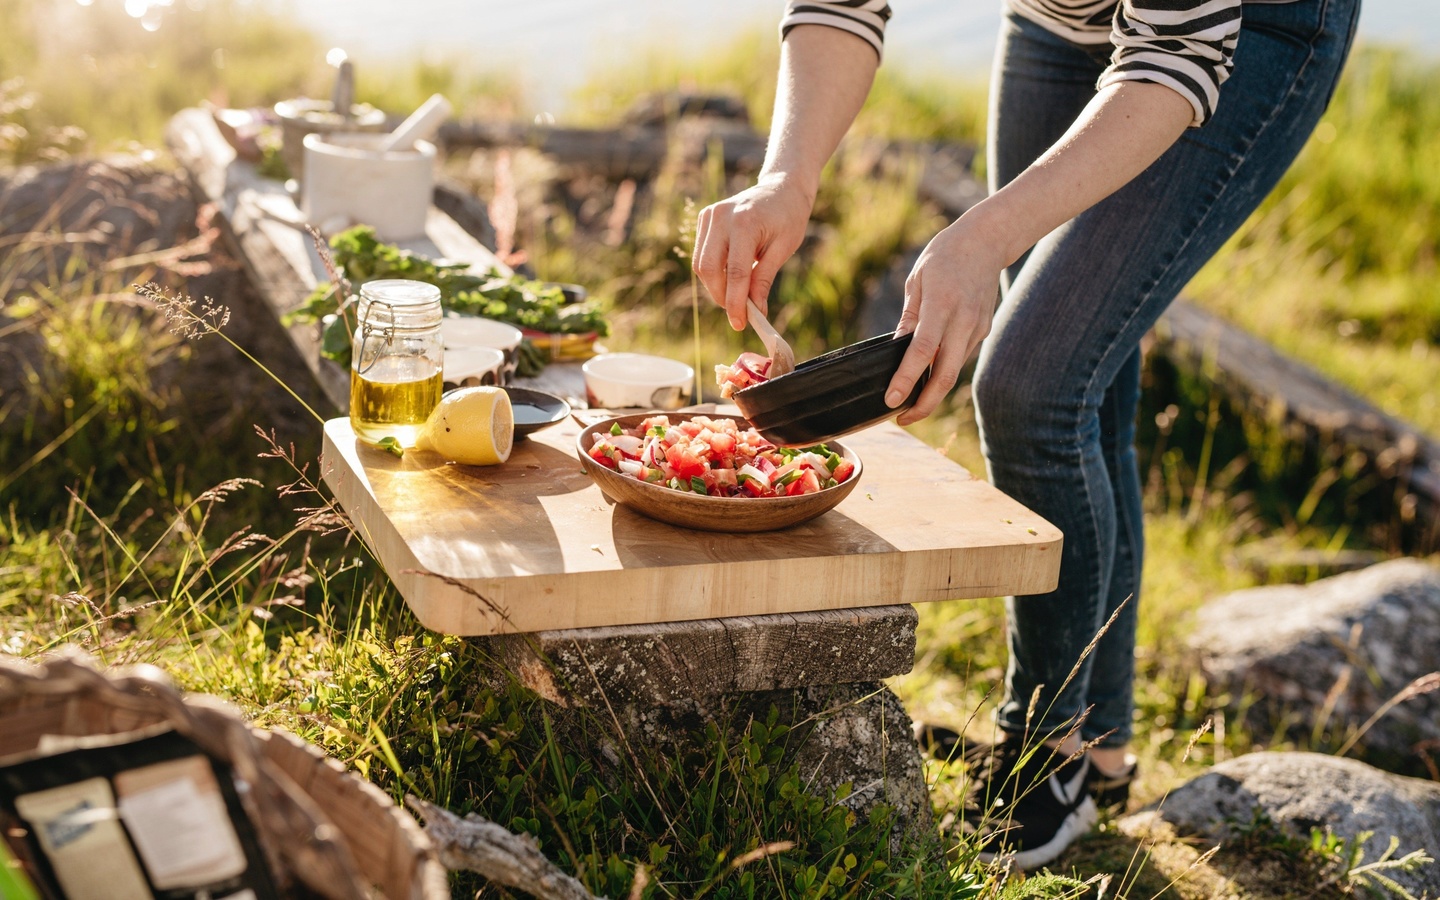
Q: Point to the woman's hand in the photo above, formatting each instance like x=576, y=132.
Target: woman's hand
x=740, y=243
x=951, y=293
x=949, y=301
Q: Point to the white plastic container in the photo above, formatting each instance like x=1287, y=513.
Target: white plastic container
x=348, y=181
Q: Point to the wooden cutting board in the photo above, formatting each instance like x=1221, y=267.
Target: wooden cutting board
x=534, y=546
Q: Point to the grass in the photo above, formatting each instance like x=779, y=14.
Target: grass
x=1345, y=250
x=133, y=533
x=98, y=79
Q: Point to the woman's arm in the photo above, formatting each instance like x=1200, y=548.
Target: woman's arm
x=950, y=294
x=740, y=243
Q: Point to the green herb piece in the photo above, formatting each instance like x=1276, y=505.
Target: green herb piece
x=391, y=445
x=697, y=484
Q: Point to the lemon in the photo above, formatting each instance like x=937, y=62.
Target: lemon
x=474, y=426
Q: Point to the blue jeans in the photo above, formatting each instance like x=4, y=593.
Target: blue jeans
x=1058, y=381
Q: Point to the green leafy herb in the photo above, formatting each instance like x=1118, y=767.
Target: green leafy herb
x=360, y=257
x=391, y=445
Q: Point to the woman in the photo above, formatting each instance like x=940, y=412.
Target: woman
x=1127, y=141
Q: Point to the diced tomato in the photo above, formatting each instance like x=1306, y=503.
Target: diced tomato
x=722, y=443
x=685, y=462
x=605, y=455
x=805, y=484
x=843, y=471
x=755, y=488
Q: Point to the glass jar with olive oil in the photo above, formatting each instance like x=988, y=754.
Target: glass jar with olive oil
x=396, y=360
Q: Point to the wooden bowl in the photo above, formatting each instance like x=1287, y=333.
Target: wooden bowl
x=689, y=510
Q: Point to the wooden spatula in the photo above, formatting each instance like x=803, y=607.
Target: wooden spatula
x=782, y=358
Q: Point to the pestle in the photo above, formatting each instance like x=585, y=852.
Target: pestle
x=421, y=124
x=342, y=99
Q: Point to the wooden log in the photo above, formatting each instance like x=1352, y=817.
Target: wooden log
x=625, y=152
x=694, y=663
x=638, y=151
x=513, y=860
x=1251, y=370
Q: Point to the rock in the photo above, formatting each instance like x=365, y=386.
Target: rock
x=854, y=733
x=1301, y=791
x=120, y=214
x=1331, y=653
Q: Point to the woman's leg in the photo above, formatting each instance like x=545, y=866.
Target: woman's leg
x=1056, y=414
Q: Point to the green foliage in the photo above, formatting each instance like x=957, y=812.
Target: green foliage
x=1333, y=863
x=91, y=406
x=1344, y=252
x=360, y=257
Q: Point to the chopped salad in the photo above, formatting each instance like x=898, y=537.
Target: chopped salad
x=749, y=369
x=715, y=457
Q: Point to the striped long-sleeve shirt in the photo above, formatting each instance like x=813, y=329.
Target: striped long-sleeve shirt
x=1187, y=45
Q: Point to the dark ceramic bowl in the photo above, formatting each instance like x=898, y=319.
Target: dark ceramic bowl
x=831, y=395
x=535, y=410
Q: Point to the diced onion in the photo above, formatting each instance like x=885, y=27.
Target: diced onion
x=752, y=472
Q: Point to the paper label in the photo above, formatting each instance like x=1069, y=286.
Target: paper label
x=177, y=818
x=77, y=828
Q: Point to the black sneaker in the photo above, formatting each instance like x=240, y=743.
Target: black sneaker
x=938, y=741
x=947, y=745
x=1110, y=790
x=1026, y=805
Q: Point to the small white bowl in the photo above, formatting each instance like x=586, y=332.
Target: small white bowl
x=459, y=332
x=473, y=365
x=628, y=380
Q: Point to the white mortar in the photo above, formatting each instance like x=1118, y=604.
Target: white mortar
x=348, y=182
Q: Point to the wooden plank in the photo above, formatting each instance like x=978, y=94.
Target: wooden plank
x=692, y=663
x=532, y=545
x=266, y=233
x=1258, y=374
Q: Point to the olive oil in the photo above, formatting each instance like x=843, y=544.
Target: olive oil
x=389, y=408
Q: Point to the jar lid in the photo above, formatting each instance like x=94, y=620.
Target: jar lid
x=400, y=292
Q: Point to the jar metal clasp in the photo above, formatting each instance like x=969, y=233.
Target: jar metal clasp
x=369, y=329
